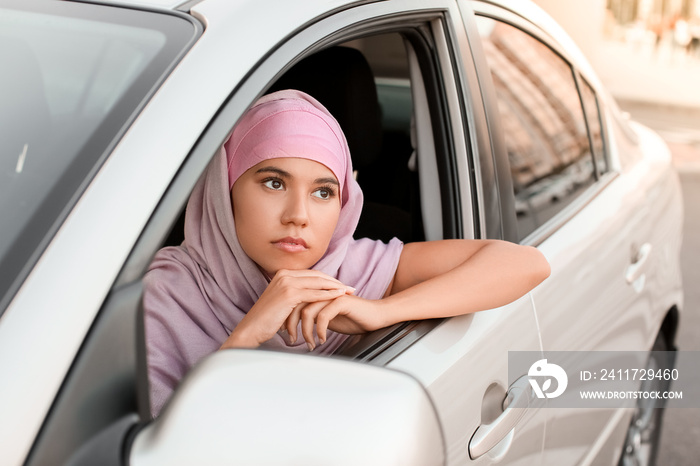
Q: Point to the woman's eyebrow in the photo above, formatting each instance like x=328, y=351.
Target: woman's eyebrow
x=276, y=170
x=285, y=174
x=328, y=180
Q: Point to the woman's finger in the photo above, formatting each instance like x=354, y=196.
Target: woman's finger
x=317, y=283
x=314, y=296
x=308, y=279
x=324, y=317
x=303, y=274
x=308, y=318
x=304, y=309
x=292, y=322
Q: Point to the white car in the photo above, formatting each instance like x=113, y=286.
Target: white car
x=109, y=113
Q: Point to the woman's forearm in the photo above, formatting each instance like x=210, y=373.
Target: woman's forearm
x=496, y=274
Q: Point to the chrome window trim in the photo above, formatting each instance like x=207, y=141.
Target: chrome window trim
x=580, y=82
x=547, y=229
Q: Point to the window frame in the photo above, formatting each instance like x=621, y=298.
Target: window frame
x=551, y=226
x=580, y=83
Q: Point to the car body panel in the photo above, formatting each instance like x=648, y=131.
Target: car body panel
x=467, y=355
x=620, y=316
x=462, y=365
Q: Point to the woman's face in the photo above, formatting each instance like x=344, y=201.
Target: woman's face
x=286, y=210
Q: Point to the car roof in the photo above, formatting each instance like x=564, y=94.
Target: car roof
x=166, y=4
x=183, y=5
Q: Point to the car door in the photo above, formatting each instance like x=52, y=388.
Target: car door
x=584, y=210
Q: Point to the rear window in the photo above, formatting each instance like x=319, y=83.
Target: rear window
x=74, y=76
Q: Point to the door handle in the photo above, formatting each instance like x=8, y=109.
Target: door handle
x=520, y=396
x=636, y=269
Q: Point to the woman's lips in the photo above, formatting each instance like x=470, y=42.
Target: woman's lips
x=290, y=244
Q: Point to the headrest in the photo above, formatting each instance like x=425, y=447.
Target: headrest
x=341, y=79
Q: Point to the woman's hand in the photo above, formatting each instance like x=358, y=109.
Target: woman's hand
x=346, y=314
x=281, y=306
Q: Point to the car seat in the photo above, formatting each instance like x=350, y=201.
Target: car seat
x=342, y=80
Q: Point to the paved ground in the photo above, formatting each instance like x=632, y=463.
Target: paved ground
x=680, y=128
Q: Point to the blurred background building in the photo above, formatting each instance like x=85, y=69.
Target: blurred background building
x=643, y=50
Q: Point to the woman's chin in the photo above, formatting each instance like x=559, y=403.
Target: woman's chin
x=271, y=270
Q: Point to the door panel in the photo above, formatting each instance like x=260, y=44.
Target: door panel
x=588, y=304
x=463, y=363
x=556, y=207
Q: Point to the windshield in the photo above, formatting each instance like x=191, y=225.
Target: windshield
x=73, y=77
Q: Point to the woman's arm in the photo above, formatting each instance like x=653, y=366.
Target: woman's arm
x=453, y=277
x=441, y=279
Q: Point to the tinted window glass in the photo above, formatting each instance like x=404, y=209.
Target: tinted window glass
x=590, y=104
x=543, y=122
x=73, y=76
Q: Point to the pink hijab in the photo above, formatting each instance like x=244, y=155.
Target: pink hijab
x=196, y=293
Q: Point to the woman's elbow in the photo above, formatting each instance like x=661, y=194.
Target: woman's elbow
x=538, y=266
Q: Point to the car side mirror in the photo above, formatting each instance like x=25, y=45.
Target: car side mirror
x=262, y=407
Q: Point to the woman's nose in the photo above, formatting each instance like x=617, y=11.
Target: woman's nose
x=296, y=210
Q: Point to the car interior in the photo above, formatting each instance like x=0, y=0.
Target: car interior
x=342, y=80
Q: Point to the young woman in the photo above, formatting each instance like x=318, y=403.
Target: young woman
x=269, y=257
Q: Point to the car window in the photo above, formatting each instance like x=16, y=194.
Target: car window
x=367, y=85
x=543, y=123
x=73, y=75
x=590, y=104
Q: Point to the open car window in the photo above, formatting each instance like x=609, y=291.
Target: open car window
x=372, y=85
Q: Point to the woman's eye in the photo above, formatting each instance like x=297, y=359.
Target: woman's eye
x=323, y=193
x=273, y=184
